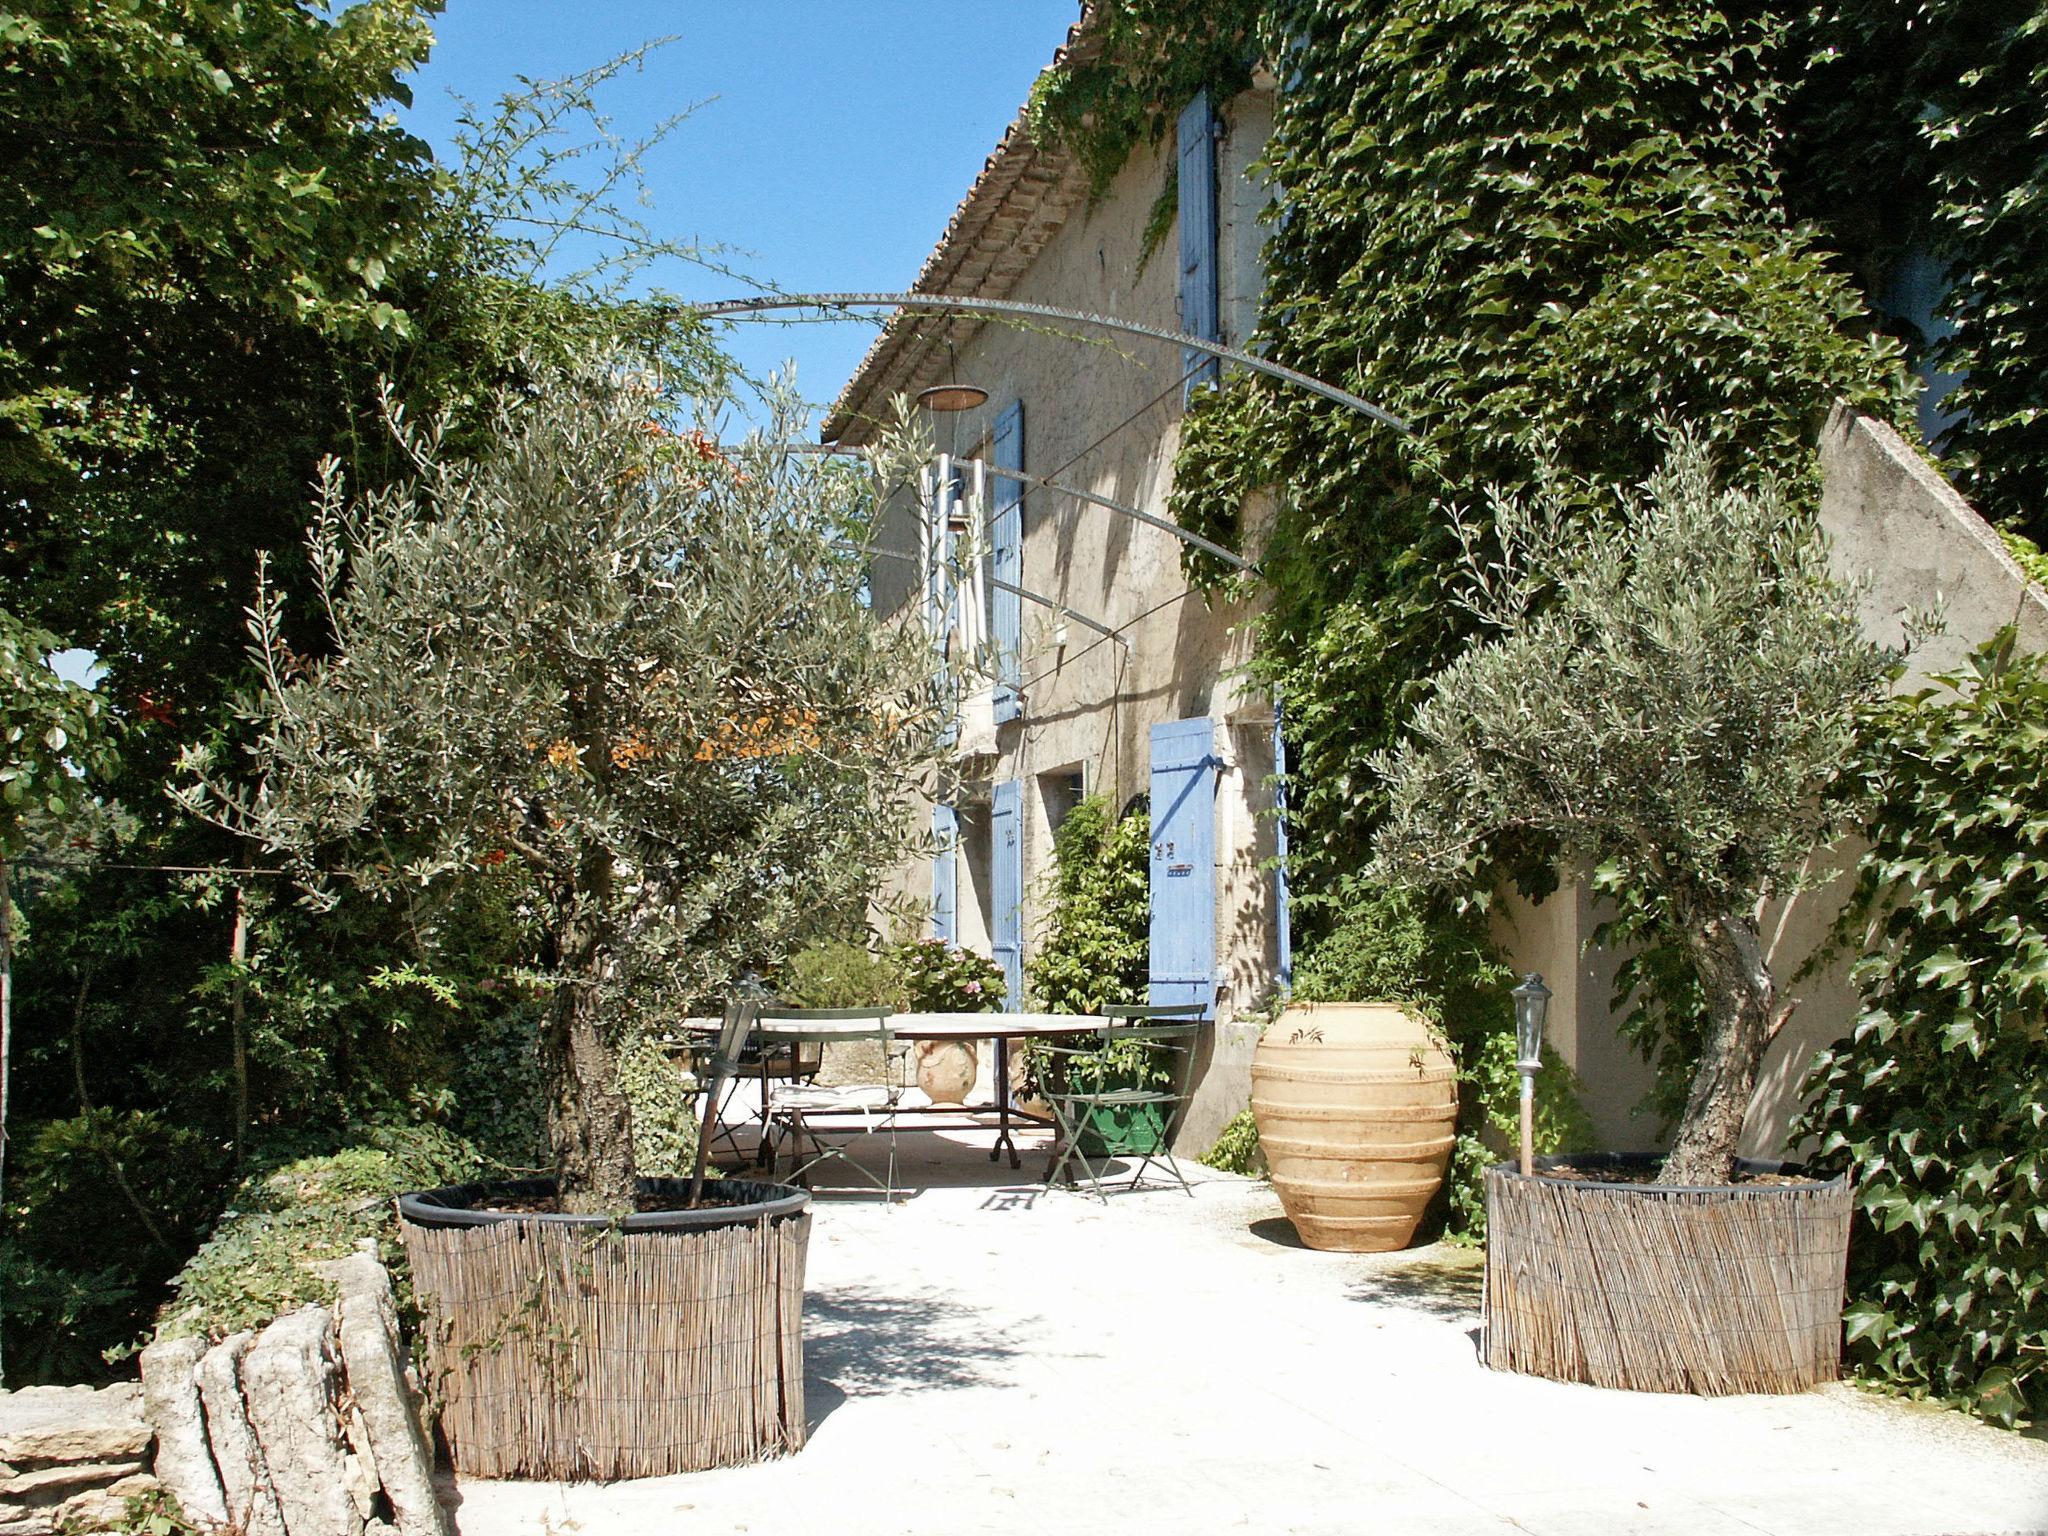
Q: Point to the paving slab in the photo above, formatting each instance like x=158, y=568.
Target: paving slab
x=990, y=1356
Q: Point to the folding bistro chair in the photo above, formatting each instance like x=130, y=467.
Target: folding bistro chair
x=1126, y=1106
x=806, y=1117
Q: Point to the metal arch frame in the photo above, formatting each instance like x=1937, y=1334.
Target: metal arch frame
x=1207, y=546
x=963, y=304
x=1026, y=593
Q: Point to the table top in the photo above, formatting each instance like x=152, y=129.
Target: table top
x=961, y=1026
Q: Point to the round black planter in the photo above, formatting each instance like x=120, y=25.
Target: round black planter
x=574, y=1347
x=1710, y=1289
x=735, y=1201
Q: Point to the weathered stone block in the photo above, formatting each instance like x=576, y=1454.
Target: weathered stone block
x=170, y=1401
x=101, y=1508
x=244, y=1478
x=384, y=1422
x=290, y=1388
x=49, y=1426
x=53, y=1485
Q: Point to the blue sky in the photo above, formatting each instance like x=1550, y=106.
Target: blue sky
x=832, y=142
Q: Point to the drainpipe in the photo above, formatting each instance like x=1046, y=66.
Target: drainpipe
x=1283, y=917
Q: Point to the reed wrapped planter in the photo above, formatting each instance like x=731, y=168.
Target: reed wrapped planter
x=1713, y=1289
x=570, y=1347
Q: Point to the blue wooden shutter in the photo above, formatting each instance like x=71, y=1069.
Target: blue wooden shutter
x=1006, y=887
x=946, y=827
x=1200, y=311
x=1184, y=862
x=1006, y=563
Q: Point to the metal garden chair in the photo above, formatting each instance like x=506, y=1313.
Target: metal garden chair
x=1118, y=1092
x=806, y=1117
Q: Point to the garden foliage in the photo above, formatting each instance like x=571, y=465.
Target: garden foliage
x=944, y=978
x=262, y=1260
x=216, y=246
x=1096, y=945
x=1917, y=134
x=1937, y=1105
x=1532, y=231
x=1660, y=705
x=607, y=652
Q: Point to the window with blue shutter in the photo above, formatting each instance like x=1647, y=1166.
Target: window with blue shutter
x=1006, y=562
x=1200, y=306
x=1183, y=867
x=1006, y=887
x=946, y=828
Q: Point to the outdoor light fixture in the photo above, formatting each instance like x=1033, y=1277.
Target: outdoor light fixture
x=952, y=397
x=1532, y=1003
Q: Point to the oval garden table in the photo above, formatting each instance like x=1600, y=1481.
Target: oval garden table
x=1002, y=1028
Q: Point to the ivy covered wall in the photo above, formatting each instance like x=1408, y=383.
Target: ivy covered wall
x=1537, y=229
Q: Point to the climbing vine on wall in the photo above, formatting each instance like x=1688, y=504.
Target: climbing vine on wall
x=1918, y=128
x=1937, y=1105
x=1533, y=230
x=1143, y=60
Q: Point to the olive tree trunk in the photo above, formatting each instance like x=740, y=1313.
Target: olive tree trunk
x=590, y=1127
x=590, y=1124
x=1740, y=998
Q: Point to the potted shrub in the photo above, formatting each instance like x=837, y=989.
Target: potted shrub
x=638, y=668
x=940, y=978
x=1663, y=707
x=1096, y=953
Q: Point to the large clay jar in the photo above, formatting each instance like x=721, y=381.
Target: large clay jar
x=945, y=1069
x=1357, y=1105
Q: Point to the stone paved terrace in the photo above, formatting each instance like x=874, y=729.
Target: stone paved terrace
x=990, y=1356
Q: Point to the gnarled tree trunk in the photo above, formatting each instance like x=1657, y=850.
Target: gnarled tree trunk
x=590, y=1126
x=1740, y=1002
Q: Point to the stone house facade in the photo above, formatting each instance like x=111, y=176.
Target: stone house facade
x=1110, y=674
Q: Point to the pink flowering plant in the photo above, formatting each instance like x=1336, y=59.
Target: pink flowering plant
x=940, y=978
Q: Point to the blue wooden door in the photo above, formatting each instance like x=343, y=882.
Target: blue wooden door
x=1006, y=562
x=1184, y=862
x=1006, y=887
x=1200, y=309
x=946, y=828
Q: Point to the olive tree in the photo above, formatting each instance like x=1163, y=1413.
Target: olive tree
x=637, y=662
x=1662, y=704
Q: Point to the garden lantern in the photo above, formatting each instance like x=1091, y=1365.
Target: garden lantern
x=1532, y=1004
x=952, y=397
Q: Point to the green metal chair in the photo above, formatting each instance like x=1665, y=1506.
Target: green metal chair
x=806, y=1118
x=1118, y=1092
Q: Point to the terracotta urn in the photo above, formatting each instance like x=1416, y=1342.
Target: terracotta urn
x=945, y=1069
x=1357, y=1107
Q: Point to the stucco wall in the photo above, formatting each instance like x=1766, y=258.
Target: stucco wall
x=1102, y=414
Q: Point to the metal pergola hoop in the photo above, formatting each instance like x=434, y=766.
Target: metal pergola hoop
x=967, y=304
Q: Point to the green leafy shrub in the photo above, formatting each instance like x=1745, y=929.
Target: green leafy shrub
x=1917, y=132
x=1096, y=947
x=258, y=1264
x=663, y=1096
x=102, y=1207
x=1382, y=943
x=1236, y=1149
x=836, y=973
x=1937, y=1103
